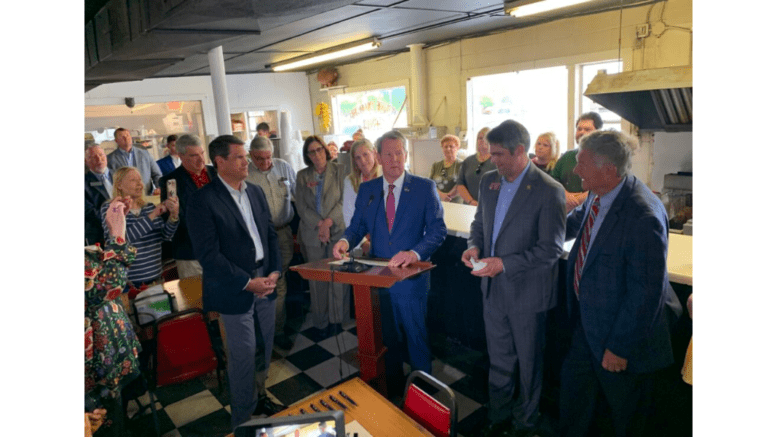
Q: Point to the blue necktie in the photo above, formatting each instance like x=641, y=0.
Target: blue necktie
x=107, y=183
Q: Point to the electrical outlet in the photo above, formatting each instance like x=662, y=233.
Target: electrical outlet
x=643, y=30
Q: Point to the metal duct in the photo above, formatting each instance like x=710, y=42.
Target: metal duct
x=656, y=99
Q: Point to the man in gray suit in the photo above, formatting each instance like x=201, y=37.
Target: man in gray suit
x=519, y=232
x=127, y=156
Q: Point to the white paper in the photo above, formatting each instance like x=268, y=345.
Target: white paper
x=355, y=427
x=476, y=265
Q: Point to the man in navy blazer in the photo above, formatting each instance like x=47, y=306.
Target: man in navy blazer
x=192, y=175
x=417, y=230
x=173, y=158
x=235, y=242
x=618, y=291
x=98, y=184
x=518, y=232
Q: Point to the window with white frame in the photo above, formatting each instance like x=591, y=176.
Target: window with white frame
x=538, y=99
x=373, y=111
x=535, y=98
x=587, y=72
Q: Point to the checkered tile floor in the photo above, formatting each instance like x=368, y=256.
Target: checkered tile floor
x=313, y=364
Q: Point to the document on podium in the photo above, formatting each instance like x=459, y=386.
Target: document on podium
x=369, y=262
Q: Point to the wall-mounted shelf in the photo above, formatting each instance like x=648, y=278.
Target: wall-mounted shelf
x=333, y=88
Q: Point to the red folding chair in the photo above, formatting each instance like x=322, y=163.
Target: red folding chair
x=183, y=351
x=183, y=348
x=437, y=417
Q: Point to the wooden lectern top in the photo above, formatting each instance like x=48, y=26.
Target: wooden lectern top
x=381, y=277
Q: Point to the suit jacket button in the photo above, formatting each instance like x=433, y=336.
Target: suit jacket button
x=389, y=243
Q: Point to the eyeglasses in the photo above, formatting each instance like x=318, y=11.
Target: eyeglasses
x=313, y=152
x=477, y=171
x=444, y=173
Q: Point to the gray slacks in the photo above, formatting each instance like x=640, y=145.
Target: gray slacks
x=514, y=339
x=286, y=245
x=329, y=302
x=249, y=344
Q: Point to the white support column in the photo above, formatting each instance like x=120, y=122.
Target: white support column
x=417, y=85
x=573, y=103
x=218, y=79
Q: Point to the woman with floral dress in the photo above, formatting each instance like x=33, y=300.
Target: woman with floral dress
x=111, y=347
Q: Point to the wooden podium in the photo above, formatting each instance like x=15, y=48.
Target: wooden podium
x=367, y=304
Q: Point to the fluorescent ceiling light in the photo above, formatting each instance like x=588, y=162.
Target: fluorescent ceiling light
x=524, y=8
x=328, y=54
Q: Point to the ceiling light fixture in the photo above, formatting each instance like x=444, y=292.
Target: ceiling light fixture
x=327, y=54
x=524, y=8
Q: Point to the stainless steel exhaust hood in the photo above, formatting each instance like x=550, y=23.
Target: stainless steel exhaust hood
x=657, y=99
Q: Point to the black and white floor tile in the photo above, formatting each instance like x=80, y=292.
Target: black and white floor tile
x=314, y=363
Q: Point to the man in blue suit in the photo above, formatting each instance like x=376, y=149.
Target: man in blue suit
x=403, y=215
x=235, y=242
x=618, y=291
x=172, y=160
x=519, y=233
x=98, y=185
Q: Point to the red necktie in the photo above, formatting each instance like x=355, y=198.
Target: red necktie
x=584, y=240
x=390, y=207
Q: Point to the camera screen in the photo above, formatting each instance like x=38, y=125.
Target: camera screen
x=321, y=429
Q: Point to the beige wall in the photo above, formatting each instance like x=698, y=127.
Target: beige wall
x=563, y=42
x=566, y=41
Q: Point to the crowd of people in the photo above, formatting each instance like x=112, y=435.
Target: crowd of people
x=229, y=222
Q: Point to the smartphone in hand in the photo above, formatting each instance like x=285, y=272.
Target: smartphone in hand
x=171, y=189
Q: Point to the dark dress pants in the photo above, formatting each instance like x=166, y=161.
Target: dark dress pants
x=628, y=395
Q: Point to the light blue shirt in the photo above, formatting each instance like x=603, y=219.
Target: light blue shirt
x=129, y=156
x=319, y=190
x=605, y=203
x=244, y=205
x=507, y=191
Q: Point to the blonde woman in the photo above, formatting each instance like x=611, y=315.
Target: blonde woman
x=546, y=152
x=146, y=228
x=365, y=167
x=473, y=168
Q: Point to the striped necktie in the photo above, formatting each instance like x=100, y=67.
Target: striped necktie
x=584, y=240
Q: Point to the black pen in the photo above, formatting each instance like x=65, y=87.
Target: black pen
x=329, y=407
x=340, y=404
x=315, y=408
x=347, y=398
